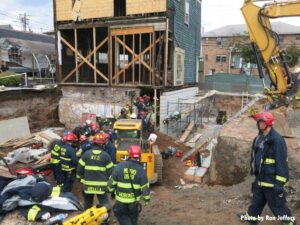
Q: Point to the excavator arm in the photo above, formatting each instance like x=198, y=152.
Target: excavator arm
x=266, y=44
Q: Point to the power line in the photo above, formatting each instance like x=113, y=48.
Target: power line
x=24, y=21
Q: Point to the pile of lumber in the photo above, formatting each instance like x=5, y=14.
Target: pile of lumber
x=44, y=136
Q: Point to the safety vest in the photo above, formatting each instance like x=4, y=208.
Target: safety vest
x=55, y=192
x=33, y=212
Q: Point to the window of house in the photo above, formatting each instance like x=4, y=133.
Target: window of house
x=221, y=41
x=236, y=62
x=206, y=57
x=187, y=13
x=103, y=58
x=119, y=7
x=281, y=38
x=221, y=58
x=297, y=36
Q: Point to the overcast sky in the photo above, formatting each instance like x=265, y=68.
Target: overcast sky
x=215, y=13
x=218, y=13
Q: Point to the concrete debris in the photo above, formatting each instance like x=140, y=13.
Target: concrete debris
x=182, y=182
x=24, y=155
x=186, y=186
x=14, y=128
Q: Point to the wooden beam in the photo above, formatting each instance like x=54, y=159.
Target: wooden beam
x=135, y=59
x=84, y=59
x=110, y=55
x=153, y=59
x=124, y=78
x=129, y=31
x=133, y=66
x=135, y=55
x=76, y=58
x=87, y=57
x=166, y=54
x=95, y=55
x=140, y=66
x=155, y=107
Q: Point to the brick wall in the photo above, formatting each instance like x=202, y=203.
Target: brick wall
x=211, y=49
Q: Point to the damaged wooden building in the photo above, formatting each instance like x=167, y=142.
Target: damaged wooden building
x=127, y=44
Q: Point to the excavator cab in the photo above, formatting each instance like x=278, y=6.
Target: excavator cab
x=130, y=132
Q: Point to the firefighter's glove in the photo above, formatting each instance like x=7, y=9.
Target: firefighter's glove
x=279, y=191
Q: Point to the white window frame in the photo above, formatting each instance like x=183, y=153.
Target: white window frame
x=186, y=12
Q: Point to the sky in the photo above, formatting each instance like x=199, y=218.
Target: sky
x=219, y=13
x=40, y=14
x=215, y=14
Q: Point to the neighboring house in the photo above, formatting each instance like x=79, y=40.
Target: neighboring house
x=138, y=42
x=26, y=52
x=220, y=56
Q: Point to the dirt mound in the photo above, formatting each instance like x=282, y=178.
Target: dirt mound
x=173, y=167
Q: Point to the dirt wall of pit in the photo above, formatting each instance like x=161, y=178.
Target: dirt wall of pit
x=40, y=107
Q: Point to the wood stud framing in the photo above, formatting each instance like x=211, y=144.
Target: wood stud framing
x=131, y=55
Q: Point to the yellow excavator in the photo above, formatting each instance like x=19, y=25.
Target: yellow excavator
x=266, y=45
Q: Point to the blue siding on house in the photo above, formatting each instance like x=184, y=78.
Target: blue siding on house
x=185, y=36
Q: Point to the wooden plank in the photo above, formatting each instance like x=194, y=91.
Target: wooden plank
x=135, y=59
x=76, y=57
x=85, y=60
x=140, y=45
x=133, y=66
x=191, y=143
x=63, y=10
x=95, y=54
x=165, y=80
x=135, y=55
x=145, y=6
x=110, y=57
x=153, y=60
x=96, y=9
x=187, y=131
x=123, y=58
x=87, y=57
x=130, y=31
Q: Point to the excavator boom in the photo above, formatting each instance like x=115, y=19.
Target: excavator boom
x=266, y=42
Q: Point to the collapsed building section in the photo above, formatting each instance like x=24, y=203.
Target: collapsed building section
x=152, y=45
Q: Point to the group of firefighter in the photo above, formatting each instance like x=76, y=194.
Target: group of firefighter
x=89, y=155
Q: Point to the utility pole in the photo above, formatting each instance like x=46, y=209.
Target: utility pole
x=24, y=21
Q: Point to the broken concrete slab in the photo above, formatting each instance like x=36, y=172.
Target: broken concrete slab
x=14, y=128
x=24, y=155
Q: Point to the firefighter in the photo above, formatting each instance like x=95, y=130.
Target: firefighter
x=54, y=149
x=68, y=161
x=105, y=144
x=127, y=184
x=123, y=114
x=93, y=171
x=84, y=144
x=269, y=160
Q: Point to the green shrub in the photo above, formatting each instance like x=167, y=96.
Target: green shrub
x=10, y=81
